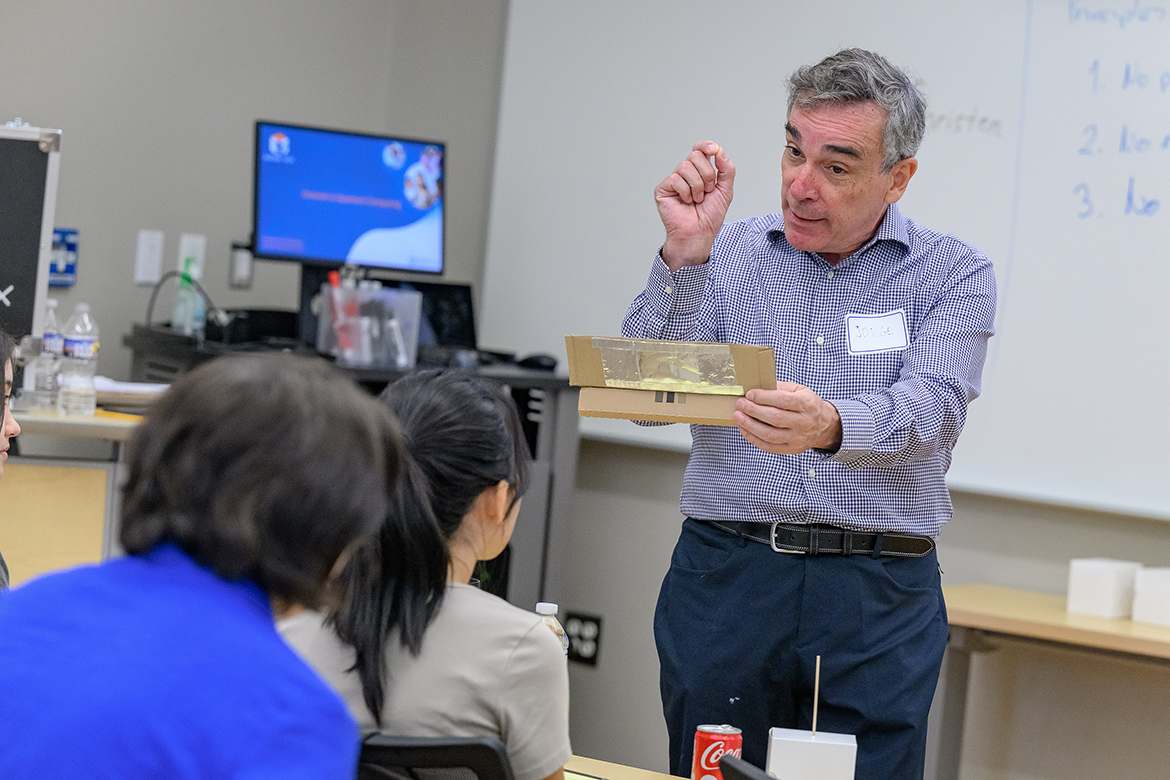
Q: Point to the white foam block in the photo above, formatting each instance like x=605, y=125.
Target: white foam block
x=794, y=754
x=1151, y=596
x=1101, y=586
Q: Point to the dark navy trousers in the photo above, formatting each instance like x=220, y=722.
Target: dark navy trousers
x=738, y=629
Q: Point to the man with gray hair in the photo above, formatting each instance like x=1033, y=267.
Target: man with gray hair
x=880, y=328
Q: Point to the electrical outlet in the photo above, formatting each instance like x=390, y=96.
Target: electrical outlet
x=584, y=637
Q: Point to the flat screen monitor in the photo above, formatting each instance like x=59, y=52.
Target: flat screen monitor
x=330, y=197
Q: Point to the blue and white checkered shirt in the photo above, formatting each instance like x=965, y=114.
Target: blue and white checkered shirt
x=901, y=411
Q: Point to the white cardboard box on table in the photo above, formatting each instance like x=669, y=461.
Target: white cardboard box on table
x=796, y=754
x=1151, y=596
x=1101, y=586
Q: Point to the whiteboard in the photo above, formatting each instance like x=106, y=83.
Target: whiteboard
x=1048, y=148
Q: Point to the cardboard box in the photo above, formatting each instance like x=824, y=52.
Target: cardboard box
x=1151, y=596
x=795, y=754
x=666, y=381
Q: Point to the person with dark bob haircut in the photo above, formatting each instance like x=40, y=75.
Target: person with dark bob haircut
x=414, y=649
x=9, y=428
x=249, y=484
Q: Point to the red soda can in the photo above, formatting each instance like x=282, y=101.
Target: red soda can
x=711, y=744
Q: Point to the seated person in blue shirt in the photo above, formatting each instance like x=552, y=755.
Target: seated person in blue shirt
x=426, y=654
x=9, y=429
x=248, y=484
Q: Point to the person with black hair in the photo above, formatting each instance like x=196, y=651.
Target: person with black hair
x=249, y=484
x=9, y=428
x=414, y=649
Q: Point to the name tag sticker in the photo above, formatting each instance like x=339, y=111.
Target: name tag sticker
x=876, y=332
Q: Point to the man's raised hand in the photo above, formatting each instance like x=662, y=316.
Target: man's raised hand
x=693, y=202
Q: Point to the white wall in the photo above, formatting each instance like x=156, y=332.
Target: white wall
x=156, y=101
x=601, y=100
x=586, y=114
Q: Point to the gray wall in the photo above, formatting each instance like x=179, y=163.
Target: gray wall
x=1033, y=713
x=445, y=83
x=156, y=102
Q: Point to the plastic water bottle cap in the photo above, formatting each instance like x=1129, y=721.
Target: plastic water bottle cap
x=82, y=307
x=51, y=303
x=546, y=608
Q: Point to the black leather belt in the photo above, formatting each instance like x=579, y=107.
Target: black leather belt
x=820, y=539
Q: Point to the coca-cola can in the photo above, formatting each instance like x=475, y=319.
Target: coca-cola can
x=711, y=744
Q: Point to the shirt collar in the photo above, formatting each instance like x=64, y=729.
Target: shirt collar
x=892, y=228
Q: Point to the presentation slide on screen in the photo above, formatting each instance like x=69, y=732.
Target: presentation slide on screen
x=340, y=197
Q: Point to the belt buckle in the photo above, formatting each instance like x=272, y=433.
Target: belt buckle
x=772, y=542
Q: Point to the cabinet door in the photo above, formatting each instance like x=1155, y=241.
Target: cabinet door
x=54, y=516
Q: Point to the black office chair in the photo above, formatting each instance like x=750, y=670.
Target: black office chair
x=433, y=758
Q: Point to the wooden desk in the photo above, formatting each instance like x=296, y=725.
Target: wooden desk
x=54, y=515
x=110, y=426
x=608, y=771
x=62, y=512
x=979, y=614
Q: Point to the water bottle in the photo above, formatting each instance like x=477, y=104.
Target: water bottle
x=548, y=613
x=187, y=299
x=76, y=395
x=48, y=363
x=372, y=311
x=198, y=314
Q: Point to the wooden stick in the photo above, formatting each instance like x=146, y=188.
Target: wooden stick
x=816, y=695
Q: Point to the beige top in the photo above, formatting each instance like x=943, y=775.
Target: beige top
x=486, y=668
